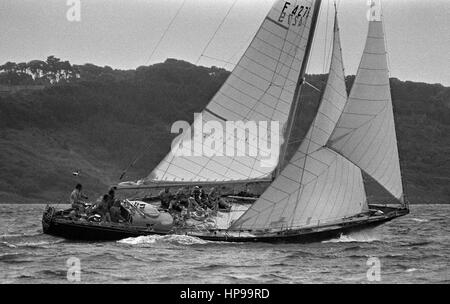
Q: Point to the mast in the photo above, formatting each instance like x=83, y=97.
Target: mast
x=298, y=89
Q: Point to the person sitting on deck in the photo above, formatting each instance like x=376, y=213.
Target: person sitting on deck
x=76, y=199
x=175, y=206
x=193, y=206
x=213, y=200
x=202, y=193
x=196, y=194
x=116, y=216
x=165, y=196
x=111, y=198
x=103, y=208
x=181, y=196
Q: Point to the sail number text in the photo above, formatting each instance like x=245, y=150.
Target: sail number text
x=294, y=15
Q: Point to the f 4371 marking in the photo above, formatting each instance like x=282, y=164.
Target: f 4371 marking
x=296, y=15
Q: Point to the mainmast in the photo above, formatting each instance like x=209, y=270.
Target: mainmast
x=298, y=89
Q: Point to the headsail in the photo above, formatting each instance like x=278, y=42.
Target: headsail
x=260, y=88
x=365, y=134
x=318, y=185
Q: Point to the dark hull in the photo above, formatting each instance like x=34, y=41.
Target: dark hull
x=92, y=232
x=96, y=232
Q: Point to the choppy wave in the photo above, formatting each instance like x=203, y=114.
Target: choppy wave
x=8, y=245
x=38, y=244
x=356, y=237
x=10, y=256
x=411, y=269
x=6, y=235
x=419, y=220
x=17, y=235
x=172, y=239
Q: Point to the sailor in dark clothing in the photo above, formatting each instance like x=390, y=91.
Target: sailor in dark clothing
x=103, y=209
x=114, y=211
x=165, y=196
x=196, y=194
x=176, y=206
x=181, y=196
x=202, y=193
x=76, y=199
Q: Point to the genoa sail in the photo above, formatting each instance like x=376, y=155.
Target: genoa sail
x=318, y=185
x=365, y=133
x=260, y=88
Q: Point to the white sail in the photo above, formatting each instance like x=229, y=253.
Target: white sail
x=260, y=88
x=318, y=185
x=365, y=134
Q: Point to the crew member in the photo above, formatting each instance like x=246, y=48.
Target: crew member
x=111, y=198
x=103, y=208
x=196, y=193
x=116, y=216
x=182, y=195
x=165, y=196
x=76, y=199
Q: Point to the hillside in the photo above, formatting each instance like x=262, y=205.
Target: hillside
x=100, y=119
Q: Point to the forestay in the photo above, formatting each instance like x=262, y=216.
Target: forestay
x=365, y=134
x=318, y=186
x=260, y=88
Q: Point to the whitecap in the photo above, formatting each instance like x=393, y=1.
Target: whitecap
x=411, y=269
x=38, y=244
x=174, y=238
x=10, y=235
x=354, y=237
x=419, y=220
x=8, y=245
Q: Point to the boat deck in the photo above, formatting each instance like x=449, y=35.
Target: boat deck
x=84, y=230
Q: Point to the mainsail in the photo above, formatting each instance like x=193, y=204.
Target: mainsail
x=260, y=88
x=317, y=186
x=365, y=134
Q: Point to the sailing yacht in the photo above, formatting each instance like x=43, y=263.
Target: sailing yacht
x=318, y=192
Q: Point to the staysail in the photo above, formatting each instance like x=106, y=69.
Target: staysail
x=365, y=134
x=260, y=88
x=318, y=185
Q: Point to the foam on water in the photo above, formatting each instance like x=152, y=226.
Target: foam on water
x=8, y=245
x=172, y=239
x=355, y=237
x=411, y=270
x=419, y=220
x=38, y=243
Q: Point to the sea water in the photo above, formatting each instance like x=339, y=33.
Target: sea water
x=411, y=249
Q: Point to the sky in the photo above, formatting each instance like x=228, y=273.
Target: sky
x=126, y=34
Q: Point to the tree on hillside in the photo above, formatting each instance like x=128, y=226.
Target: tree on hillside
x=38, y=69
x=9, y=67
x=52, y=68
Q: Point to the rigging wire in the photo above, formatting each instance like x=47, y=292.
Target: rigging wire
x=216, y=31
x=165, y=32
x=218, y=59
x=241, y=49
x=142, y=152
x=312, y=86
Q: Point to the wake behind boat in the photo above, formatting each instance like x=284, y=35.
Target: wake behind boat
x=316, y=194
